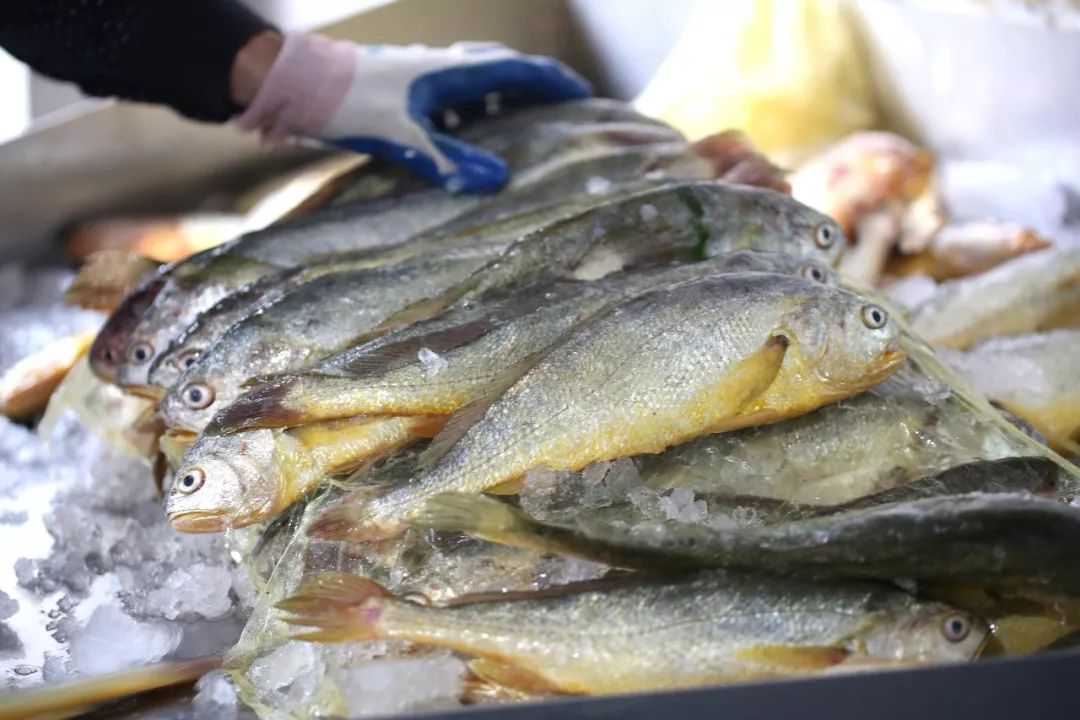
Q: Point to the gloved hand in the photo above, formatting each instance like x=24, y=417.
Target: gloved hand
x=379, y=100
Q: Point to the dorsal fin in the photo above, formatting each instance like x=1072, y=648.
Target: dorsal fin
x=466, y=417
x=393, y=353
x=402, y=352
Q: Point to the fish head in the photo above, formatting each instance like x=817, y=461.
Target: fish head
x=844, y=342
x=778, y=263
x=193, y=400
x=810, y=233
x=111, y=346
x=927, y=632
x=759, y=219
x=225, y=481
x=147, y=342
x=166, y=370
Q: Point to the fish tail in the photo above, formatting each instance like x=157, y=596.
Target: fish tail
x=480, y=516
x=77, y=697
x=265, y=406
x=341, y=607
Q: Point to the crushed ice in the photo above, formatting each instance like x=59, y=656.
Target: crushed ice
x=433, y=362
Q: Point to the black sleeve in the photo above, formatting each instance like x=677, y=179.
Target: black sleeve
x=171, y=52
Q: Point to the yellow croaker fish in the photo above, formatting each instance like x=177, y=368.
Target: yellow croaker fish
x=969, y=249
x=1035, y=377
x=26, y=386
x=711, y=628
x=1038, y=291
x=231, y=481
x=389, y=376
x=681, y=361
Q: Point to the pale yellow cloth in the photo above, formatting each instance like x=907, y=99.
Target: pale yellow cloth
x=788, y=72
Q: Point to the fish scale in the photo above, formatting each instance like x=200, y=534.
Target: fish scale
x=602, y=392
x=714, y=627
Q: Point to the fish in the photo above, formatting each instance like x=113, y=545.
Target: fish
x=311, y=321
x=676, y=220
x=710, y=628
x=1035, y=377
x=26, y=386
x=988, y=539
x=737, y=160
x=388, y=376
x=963, y=249
x=81, y=696
x=161, y=239
x=157, y=311
x=211, y=324
x=232, y=481
x=1035, y=292
x=705, y=356
x=106, y=279
x=901, y=430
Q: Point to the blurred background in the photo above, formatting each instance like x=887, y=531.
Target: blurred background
x=983, y=85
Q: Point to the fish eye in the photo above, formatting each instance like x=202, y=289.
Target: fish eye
x=955, y=628
x=197, y=396
x=140, y=353
x=191, y=481
x=813, y=273
x=824, y=236
x=874, y=317
x=187, y=359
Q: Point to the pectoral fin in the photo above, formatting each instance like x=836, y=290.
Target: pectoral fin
x=510, y=676
x=787, y=659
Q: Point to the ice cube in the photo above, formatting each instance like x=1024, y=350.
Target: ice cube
x=10, y=644
x=394, y=686
x=288, y=676
x=8, y=605
x=56, y=667
x=433, y=362
x=113, y=640
x=201, y=590
x=597, y=185
x=679, y=504
x=215, y=696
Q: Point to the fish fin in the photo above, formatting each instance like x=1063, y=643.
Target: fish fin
x=403, y=352
x=793, y=658
x=348, y=521
x=336, y=604
x=263, y=406
x=427, y=426
x=466, y=417
x=751, y=379
x=510, y=487
x=68, y=699
x=480, y=516
x=417, y=312
x=107, y=277
x=514, y=677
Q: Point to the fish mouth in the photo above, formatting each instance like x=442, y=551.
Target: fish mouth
x=891, y=359
x=193, y=521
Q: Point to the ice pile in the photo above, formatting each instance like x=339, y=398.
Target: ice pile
x=32, y=314
x=93, y=578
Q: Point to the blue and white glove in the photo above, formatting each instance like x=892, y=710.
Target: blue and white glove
x=380, y=100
